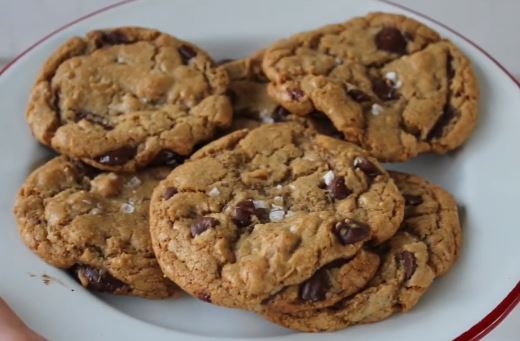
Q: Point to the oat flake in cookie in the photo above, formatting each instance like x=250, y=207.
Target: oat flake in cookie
x=95, y=224
x=261, y=210
x=125, y=98
x=387, y=82
x=425, y=247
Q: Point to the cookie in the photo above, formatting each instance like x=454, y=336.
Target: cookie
x=261, y=210
x=425, y=247
x=95, y=224
x=252, y=105
x=387, y=82
x=125, y=98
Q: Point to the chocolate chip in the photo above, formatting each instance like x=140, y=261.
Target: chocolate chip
x=366, y=166
x=169, y=192
x=114, y=38
x=338, y=189
x=280, y=114
x=97, y=279
x=407, y=259
x=167, y=157
x=315, y=288
x=92, y=118
x=243, y=213
x=350, y=231
x=358, y=95
x=296, y=94
x=117, y=157
x=202, y=224
x=204, y=297
x=391, y=39
x=448, y=114
x=262, y=214
x=383, y=90
x=412, y=200
x=187, y=52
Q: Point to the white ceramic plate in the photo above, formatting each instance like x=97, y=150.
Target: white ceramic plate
x=484, y=176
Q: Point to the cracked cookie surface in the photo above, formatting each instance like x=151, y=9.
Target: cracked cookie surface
x=124, y=98
x=262, y=210
x=95, y=224
x=426, y=246
x=387, y=82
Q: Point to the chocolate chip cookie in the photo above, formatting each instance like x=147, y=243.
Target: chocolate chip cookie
x=125, y=98
x=387, y=82
x=426, y=246
x=252, y=105
x=261, y=210
x=95, y=224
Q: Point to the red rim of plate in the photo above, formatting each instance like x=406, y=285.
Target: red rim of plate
x=497, y=315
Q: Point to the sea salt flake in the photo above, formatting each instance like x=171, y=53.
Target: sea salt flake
x=391, y=76
x=394, y=79
x=376, y=109
x=95, y=211
x=293, y=228
x=127, y=208
x=214, y=192
x=328, y=177
x=266, y=117
x=260, y=204
x=133, y=182
x=276, y=215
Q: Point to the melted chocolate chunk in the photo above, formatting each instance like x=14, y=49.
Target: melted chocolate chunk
x=383, y=90
x=97, y=279
x=117, y=157
x=350, y=231
x=408, y=261
x=338, y=189
x=167, y=157
x=315, y=288
x=391, y=39
x=438, y=129
x=243, y=213
x=366, y=166
x=202, y=224
x=114, y=38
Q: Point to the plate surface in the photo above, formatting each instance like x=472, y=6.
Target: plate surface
x=483, y=176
